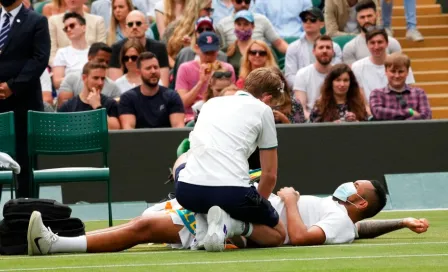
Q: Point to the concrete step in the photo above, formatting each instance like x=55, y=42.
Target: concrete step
x=438, y=100
x=431, y=76
x=429, y=64
x=439, y=112
x=440, y=87
x=432, y=30
x=430, y=41
x=422, y=20
x=432, y=52
x=421, y=10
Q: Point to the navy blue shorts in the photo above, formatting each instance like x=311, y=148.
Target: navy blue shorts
x=241, y=203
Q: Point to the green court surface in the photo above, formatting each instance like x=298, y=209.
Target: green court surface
x=399, y=251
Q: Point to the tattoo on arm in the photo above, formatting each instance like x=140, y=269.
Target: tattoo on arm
x=375, y=228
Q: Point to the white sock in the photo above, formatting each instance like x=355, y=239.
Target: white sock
x=241, y=228
x=70, y=245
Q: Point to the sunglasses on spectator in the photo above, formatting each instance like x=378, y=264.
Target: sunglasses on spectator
x=402, y=101
x=132, y=58
x=310, y=19
x=260, y=53
x=247, y=2
x=70, y=26
x=137, y=23
x=209, y=10
x=219, y=75
x=200, y=30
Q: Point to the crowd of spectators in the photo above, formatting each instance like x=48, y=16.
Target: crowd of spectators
x=154, y=63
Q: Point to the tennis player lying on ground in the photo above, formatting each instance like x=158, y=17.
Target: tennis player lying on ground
x=309, y=220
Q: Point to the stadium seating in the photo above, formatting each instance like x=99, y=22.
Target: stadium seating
x=38, y=7
x=155, y=31
x=343, y=40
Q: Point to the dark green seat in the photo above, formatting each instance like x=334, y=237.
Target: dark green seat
x=155, y=30
x=183, y=147
x=8, y=146
x=39, y=7
x=342, y=40
x=280, y=56
x=69, y=134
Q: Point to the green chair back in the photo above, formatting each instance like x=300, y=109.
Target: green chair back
x=38, y=7
x=280, y=56
x=68, y=133
x=8, y=146
x=342, y=40
x=155, y=31
x=183, y=147
x=7, y=134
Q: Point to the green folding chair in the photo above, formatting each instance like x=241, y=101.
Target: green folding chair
x=69, y=134
x=8, y=146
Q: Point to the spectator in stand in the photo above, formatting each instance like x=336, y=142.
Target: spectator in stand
x=56, y=7
x=95, y=30
x=288, y=110
x=150, y=105
x=341, y=17
x=73, y=83
x=178, y=33
x=356, y=49
x=128, y=56
x=370, y=71
x=137, y=26
x=411, y=19
x=71, y=59
x=309, y=79
x=47, y=90
x=244, y=25
x=220, y=79
x=93, y=75
x=300, y=52
x=263, y=30
x=340, y=98
x=284, y=15
x=168, y=11
x=258, y=54
x=224, y=8
x=188, y=53
x=194, y=76
x=397, y=100
x=117, y=27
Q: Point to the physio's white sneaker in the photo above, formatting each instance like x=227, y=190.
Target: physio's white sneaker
x=201, y=231
x=219, y=229
x=40, y=239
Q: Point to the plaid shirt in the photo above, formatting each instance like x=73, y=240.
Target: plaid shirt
x=387, y=104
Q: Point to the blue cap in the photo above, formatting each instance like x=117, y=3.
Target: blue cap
x=244, y=14
x=208, y=41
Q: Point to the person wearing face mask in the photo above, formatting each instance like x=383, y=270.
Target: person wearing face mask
x=309, y=220
x=244, y=26
x=24, y=55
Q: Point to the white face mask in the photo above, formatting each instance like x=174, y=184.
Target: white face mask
x=345, y=190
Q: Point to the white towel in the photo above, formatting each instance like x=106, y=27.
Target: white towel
x=6, y=162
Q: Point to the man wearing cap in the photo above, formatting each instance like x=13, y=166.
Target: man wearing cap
x=193, y=76
x=300, y=52
x=264, y=30
x=188, y=53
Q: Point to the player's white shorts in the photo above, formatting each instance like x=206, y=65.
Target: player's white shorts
x=179, y=216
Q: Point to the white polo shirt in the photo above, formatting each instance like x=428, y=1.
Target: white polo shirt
x=228, y=130
x=324, y=213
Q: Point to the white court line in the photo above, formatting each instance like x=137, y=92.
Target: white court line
x=169, y=251
x=229, y=262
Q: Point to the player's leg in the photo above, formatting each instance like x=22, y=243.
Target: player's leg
x=156, y=229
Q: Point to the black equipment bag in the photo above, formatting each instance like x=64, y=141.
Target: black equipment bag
x=17, y=213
